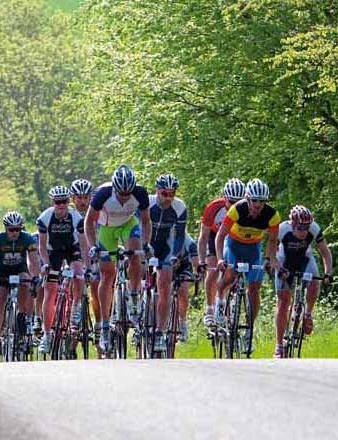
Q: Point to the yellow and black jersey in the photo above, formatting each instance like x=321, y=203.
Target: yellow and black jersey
x=247, y=229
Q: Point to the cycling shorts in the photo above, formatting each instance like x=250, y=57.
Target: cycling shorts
x=110, y=236
x=4, y=277
x=56, y=257
x=236, y=252
x=309, y=265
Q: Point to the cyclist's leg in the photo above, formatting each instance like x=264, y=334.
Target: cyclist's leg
x=130, y=235
x=3, y=299
x=50, y=291
x=312, y=295
x=107, y=241
x=25, y=306
x=252, y=254
x=95, y=302
x=164, y=277
x=75, y=261
x=211, y=276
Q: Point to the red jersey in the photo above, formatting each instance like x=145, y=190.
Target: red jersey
x=214, y=213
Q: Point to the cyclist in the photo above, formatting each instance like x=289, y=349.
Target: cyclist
x=113, y=209
x=211, y=220
x=81, y=191
x=18, y=256
x=169, y=216
x=245, y=224
x=61, y=238
x=188, y=261
x=295, y=238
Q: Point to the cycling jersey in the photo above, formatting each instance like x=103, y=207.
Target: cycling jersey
x=189, y=249
x=13, y=254
x=214, y=213
x=112, y=212
x=247, y=229
x=294, y=252
x=62, y=232
x=168, y=228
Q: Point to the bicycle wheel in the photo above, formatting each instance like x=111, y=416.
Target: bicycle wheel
x=57, y=326
x=149, y=325
x=242, y=331
x=172, y=327
x=122, y=324
x=296, y=333
x=11, y=333
x=227, y=338
x=86, y=327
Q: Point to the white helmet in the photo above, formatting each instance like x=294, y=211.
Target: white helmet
x=256, y=189
x=81, y=187
x=123, y=179
x=234, y=189
x=167, y=181
x=12, y=218
x=59, y=192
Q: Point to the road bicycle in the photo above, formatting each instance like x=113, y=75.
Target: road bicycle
x=119, y=320
x=233, y=339
x=144, y=332
x=86, y=329
x=294, y=333
x=172, y=331
x=62, y=344
x=16, y=345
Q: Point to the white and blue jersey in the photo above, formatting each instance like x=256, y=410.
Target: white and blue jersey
x=112, y=212
x=168, y=228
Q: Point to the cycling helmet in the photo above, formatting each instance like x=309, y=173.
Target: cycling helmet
x=256, y=189
x=12, y=218
x=300, y=215
x=234, y=189
x=59, y=192
x=123, y=179
x=81, y=187
x=167, y=181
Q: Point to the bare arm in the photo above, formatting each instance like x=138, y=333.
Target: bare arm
x=326, y=256
x=33, y=263
x=84, y=250
x=219, y=241
x=271, y=247
x=146, y=225
x=90, y=226
x=43, y=248
x=202, y=242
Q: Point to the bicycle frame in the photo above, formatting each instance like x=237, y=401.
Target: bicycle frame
x=11, y=349
x=61, y=340
x=294, y=333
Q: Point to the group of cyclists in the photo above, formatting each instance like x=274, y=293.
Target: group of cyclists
x=84, y=227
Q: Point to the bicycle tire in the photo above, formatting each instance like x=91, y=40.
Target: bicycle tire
x=11, y=333
x=58, y=327
x=172, y=327
x=295, y=333
x=242, y=324
x=85, y=327
x=122, y=325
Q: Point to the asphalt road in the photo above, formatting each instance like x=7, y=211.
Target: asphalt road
x=186, y=399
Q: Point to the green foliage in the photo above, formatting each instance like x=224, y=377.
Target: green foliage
x=42, y=142
x=209, y=90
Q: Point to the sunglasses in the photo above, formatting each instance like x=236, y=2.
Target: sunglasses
x=124, y=194
x=165, y=193
x=258, y=201
x=61, y=202
x=302, y=227
x=13, y=229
